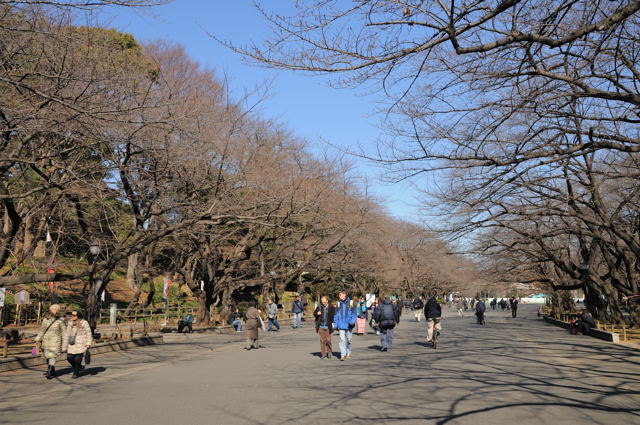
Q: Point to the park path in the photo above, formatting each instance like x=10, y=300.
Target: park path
x=512, y=371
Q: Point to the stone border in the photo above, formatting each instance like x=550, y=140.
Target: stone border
x=596, y=333
x=28, y=361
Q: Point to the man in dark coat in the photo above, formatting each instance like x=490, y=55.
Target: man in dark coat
x=433, y=313
x=514, y=305
x=387, y=316
x=324, y=326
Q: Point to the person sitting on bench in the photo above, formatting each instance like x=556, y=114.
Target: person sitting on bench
x=585, y=322
x=186, y=324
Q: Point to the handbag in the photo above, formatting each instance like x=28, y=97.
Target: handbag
x=72, y=339
x=87, y=357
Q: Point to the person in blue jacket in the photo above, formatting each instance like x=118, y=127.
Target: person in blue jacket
x=297, y=308
x=344, y=321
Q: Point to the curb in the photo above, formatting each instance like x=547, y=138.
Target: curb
x=595, y=333
x=28, y=361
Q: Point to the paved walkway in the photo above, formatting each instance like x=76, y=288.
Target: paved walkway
x=513, y=371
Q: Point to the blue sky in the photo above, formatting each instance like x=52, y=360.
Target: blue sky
x=305, y=103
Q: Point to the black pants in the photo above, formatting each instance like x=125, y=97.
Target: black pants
x=75, y=360
x=184, y=327
x=513, y=311
x=585, y=328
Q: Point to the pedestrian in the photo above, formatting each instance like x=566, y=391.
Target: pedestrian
x=372, y=322
x=272, y=315
x=433, y=313
x=78, y=341
x=324, y=327
x=514, y=305
x=387, y=316
x=251, y=326
x=53, y=331
x=361, y=314
x=344, y=320
x=460, y=305
x=480, y=309
x=493, y=303
x=297, y=308
x=503, y=304
x=417, y=308
x=407, y=305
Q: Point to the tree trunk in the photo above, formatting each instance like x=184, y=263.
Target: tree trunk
x=132, y=267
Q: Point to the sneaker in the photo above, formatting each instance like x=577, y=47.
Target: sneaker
x=342, y=359
x=349, y=355
x=383, y=349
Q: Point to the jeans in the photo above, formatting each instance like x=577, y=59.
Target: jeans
x=346, y=337
x=386, y=338
x=273, y=322
x=296, y=320
x=237, y=324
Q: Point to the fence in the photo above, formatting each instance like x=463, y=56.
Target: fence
x=625, y=331
x=21, y=314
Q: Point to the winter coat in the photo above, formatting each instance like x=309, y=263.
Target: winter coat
x=53, y=331
x=514, y=303
x=480, y=307
x=330, y=314
x=272, y=311
x=432, y=310
x=297, y=307
x=251, y=323
x=82, y=332
x=387, y=315
x=418, y=304
x=345, y=317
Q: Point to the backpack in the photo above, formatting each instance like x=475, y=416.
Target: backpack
x=387, y=315
x=417, y=304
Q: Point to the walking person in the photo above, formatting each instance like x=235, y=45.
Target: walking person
x=433, y=313
x=251, y=326
x=272, y=315
x=53, y=332
x=374, y=325
x=460, y=306
x=344, y=320
x=324, y=327
x=78, y=341
x=417, y=308
x=297, y=308
x=514, y=305
x=388, y=316
x=361, y=314
x=480, y=309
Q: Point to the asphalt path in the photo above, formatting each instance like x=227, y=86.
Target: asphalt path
x=511, y=371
